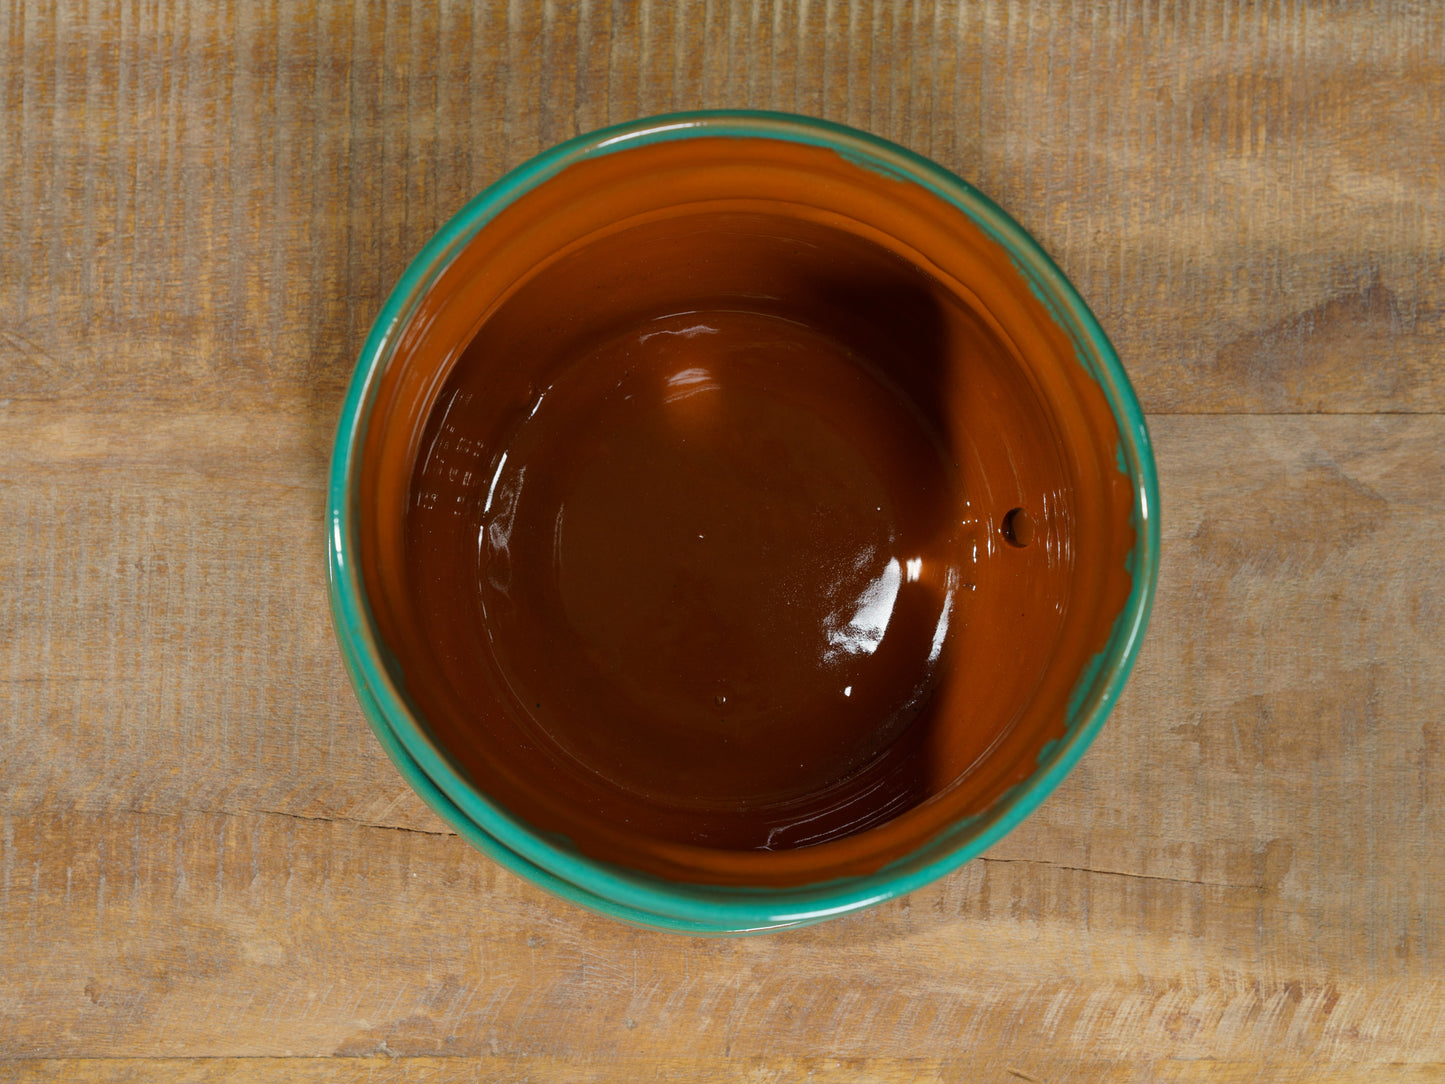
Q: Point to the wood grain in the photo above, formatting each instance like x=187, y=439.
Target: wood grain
x=208, y=869
x=675, y=1070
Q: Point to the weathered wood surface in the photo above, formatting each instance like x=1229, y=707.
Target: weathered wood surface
x=204, y=856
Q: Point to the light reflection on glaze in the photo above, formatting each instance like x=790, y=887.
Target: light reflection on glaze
x=492, y=489
x=686, y=383
x=496, y=536
x=681, y=333
x=940, y=633
x=864, y=631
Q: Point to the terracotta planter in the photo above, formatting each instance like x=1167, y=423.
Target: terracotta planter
x=737, y=520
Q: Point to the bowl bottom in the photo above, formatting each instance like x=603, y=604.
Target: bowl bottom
x=704, y=545
x=714, y=564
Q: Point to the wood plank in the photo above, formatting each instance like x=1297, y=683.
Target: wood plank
x=209, y=207
x=692, y=1070
x=1244, y=865
x=262, y=935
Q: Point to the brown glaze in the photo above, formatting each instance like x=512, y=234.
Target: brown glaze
x=684, y=504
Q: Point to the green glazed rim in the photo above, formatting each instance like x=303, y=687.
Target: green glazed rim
x=625, y=894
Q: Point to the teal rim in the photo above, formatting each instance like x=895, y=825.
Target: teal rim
x=626, y=894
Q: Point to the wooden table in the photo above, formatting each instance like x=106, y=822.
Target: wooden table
x=206, y=858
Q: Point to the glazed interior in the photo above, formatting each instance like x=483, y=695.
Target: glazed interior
x=738, y=514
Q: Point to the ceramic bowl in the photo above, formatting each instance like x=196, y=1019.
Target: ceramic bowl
x=737, y=520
